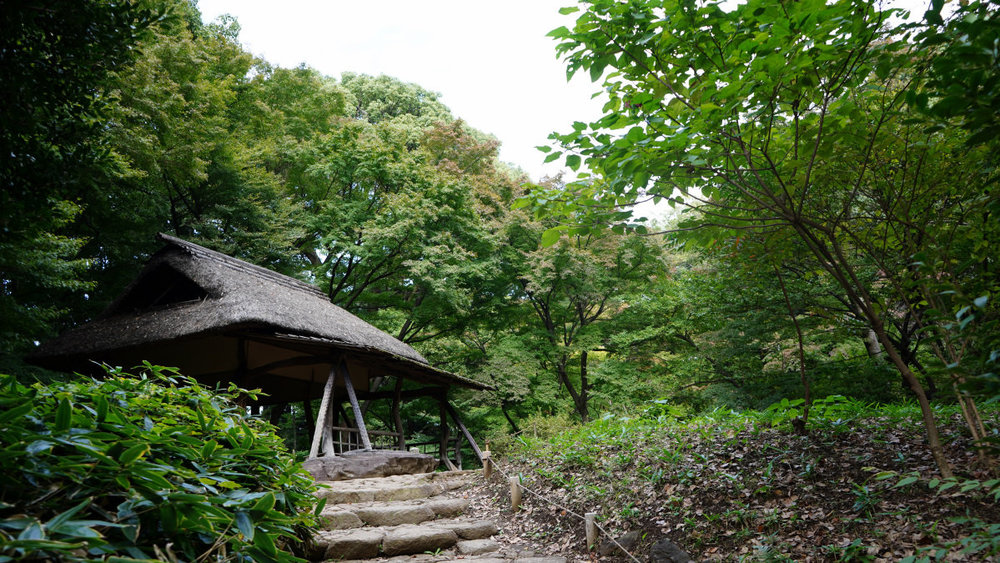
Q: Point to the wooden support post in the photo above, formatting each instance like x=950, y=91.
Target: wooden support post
x=465, y=431
x=458, y=451
x=590, y=520
x=396, y=399
x=445, y=434
x=276, y=412
x=331, y=417
x=329, y=445
x=443, y=443
x=515, y=493
x=324, y=406
x=359, y=418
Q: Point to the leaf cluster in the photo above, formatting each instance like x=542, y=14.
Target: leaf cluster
x=147, y=467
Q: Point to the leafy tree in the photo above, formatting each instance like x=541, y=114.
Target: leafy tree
x=56, y=58
x=509, y=363
x=170, y=162
x=381, y=98
x=961, y=81
x=174, y=126
x=280, y=107
x=783, y=118
x=573, y=287
x=394, y=221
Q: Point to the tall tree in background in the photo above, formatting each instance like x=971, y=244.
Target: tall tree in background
x=56, y=58
x=168, y=159
x=573, y=288
x=782, y=117
x=176, y=127
x=382, y=98
x=392, y=214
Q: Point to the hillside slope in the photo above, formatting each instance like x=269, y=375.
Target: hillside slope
x=732, y=487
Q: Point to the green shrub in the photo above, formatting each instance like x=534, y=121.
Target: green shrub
x=535, y=429
x=833, y=410
x=150, y=467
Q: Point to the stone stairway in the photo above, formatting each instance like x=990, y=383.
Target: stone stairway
x=417, y=518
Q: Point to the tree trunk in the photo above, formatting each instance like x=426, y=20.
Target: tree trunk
x=933, y=439
x=872, y=345
x=800, y=423
x=836, y=263
x=579, y=400
x=276, y=412
x=513, y=425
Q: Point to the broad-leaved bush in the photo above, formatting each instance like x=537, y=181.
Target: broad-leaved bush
x=145, y=467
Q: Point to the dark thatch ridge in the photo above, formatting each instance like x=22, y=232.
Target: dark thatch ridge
x=188, y=291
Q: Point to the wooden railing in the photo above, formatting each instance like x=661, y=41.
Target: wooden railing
x=347, y=439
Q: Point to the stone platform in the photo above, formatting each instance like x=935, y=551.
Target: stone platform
x=360, y=464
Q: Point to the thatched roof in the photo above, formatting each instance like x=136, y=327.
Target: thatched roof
x=214, y=315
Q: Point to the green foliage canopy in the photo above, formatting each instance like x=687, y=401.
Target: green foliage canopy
x=56, y=59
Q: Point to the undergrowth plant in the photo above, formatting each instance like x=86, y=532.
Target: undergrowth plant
x=833, y=411
x=151, y=467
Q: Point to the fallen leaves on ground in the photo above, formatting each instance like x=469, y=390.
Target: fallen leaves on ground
x=734, y=491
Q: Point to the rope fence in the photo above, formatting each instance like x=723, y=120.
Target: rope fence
x=517, y=488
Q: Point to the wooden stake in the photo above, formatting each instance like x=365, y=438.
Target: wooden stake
x=515, y=493
x=487, y=465
x=590, y=519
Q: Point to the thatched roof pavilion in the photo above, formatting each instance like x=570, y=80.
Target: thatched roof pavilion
x=221, y=320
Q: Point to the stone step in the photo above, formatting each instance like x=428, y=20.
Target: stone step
x=477, y=547
x=394, y=488
x=405, y=539
x=394, y=513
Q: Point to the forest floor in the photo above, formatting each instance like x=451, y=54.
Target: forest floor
x=859, y=487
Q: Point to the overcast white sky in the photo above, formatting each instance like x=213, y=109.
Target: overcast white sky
x=489, y=60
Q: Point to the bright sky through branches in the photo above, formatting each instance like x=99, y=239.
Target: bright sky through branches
x=490, y=61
